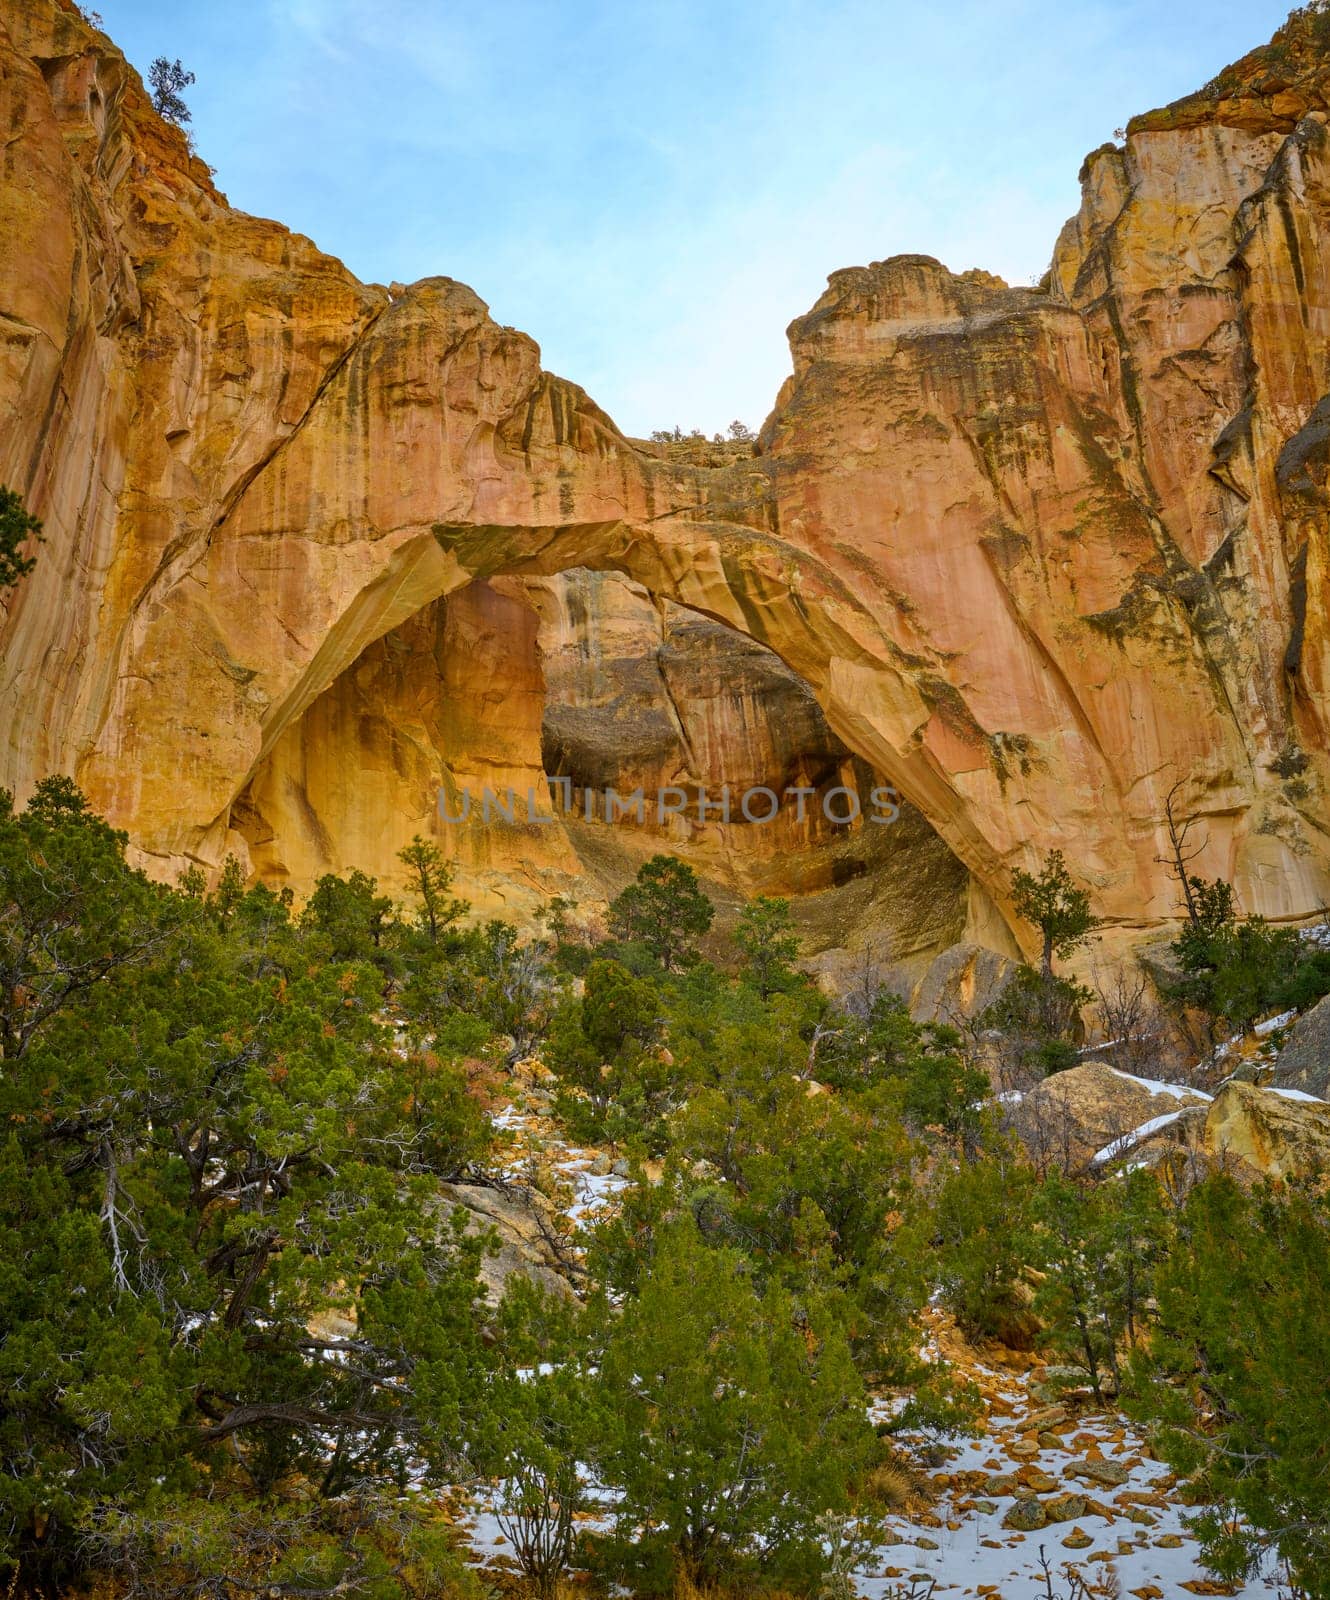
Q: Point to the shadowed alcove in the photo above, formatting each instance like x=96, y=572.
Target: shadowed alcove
x=584, y=676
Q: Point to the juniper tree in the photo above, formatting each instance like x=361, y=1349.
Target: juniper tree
x=664, y=910
x=1053, y=903
x=17, y=526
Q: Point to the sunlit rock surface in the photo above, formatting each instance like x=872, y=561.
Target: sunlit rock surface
x=1037, y=554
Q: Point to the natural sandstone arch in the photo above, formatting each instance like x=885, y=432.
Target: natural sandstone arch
x=511, y=681
x=1042, y=552
x=438, y=453
x=326, y=550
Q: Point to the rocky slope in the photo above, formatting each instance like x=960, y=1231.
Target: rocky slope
x=1038, y=554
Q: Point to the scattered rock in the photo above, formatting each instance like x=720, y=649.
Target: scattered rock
x=1026, y=1516
x=1049, y=1417
x=1108, y=1473
x=1037, y=1480
x=1066, y=1508
x=1077, y=1539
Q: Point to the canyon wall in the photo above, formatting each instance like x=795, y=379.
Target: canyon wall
x=1038, y=555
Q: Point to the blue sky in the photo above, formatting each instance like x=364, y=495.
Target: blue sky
x=653, y=191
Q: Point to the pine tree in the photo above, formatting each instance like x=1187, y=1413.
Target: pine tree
x=764, y=937
x=1056, y=906
x=431, y=878
x=1234, y=1374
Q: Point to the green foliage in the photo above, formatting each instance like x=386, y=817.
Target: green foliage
x=485, y=983
x=73, y=916
x=512, y=985
x=1053, y=903
x=1096, y=1246
x=665, y=911
x=768, y=946
x=356, y=1546
x=17, y=526
x=982, y=1220
x=939, y=1088
x=548, y=1422
x=1234, y=1375
x=733, y=1416
x=431, y=878
x=601, y=1046
x=1237, y=969
x=780, y=1152
x=349, y=915
x=1307, y=983
x=237, y=1317
x=819, y=1189
x=210, y=1149
x=1038, y=1015
x=167, y=80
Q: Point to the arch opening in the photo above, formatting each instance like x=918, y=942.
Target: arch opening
x=561, y=688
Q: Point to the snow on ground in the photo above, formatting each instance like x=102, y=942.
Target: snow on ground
x=1293, y=1094
x=1127, y=1522
x=477, y=1513
x=1130, y=1525
x=532, y=1133
x=1271, y=1023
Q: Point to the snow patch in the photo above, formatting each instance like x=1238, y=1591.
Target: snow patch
x=1178, y=1091
x=1120, y=1146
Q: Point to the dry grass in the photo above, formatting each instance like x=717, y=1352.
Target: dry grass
x=894, y=1485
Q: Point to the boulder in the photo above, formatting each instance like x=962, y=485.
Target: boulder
x=1100, y=1470
x=1270, y=1130
x=522, y=1225
x=1066, y=1507
x=960, y=983
x=1097, y=1112
x=1026, y=1516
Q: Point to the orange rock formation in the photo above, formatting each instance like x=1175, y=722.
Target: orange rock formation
x=1039, y=554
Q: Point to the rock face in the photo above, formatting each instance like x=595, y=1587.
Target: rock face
x=521, y=1228
x=509, y=686
x=1304, y=1062
x=1037, y=554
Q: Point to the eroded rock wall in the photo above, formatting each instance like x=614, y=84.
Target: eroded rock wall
x=1039, y=554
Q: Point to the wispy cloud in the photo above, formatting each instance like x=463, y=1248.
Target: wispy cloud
x=655, y=190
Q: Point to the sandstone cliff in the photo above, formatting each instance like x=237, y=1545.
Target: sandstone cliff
x=1038, y=554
